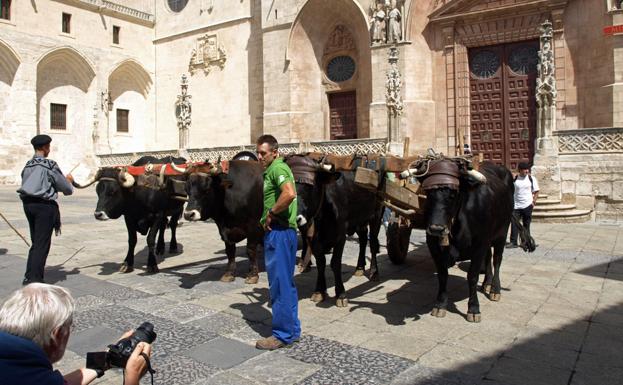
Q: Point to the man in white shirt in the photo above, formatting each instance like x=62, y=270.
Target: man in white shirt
x=526, y=193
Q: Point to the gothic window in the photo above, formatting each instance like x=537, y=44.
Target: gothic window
x=524, y=60
x=341, y=68
x=5, y=9
x=484, y=64
x=122, y=120
x=177, y=5
x=58, y=116
x=115, y=34
x=66, y=25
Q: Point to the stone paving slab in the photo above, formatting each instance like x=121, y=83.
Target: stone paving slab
x=558, y=322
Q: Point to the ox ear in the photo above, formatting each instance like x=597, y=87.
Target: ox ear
x=328, y=177
x=226, y=183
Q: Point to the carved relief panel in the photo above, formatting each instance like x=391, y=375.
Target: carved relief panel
x=207, y=54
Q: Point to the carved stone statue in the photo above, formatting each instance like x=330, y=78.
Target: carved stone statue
x=394, y=28
x=183, y=112
x=377, y=29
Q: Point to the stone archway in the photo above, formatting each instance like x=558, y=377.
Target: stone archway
x=129, y=87
x=9, y=135
x=320, y=33
x=64, y=82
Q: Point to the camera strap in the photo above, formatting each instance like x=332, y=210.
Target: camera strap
x=149, y=368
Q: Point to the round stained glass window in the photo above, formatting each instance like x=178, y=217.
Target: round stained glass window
x=177, y=5
x=341, y=68
x=484, y=64
x=524, y=60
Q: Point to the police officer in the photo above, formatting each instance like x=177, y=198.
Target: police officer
x=41, y=181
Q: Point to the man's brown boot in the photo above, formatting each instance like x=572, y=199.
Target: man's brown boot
x=270, y=343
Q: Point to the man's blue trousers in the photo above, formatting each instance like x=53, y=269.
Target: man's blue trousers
x=280, y=258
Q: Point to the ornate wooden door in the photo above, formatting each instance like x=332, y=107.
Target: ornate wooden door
x=343, y=115
x=503, y=105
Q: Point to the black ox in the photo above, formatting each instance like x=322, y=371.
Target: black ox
x=233, y=197
x=467, y=213
x=330, y=207
x=145, y=203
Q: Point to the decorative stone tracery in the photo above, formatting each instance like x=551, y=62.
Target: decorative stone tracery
x=546, y=92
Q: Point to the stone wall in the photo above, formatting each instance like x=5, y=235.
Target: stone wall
x=47, y=66
x=594, y=181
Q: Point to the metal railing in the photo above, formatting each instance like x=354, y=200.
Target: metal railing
x=337, y=147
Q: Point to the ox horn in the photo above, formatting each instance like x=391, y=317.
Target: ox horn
x=326, y=167
x=163, y=168
x=126, y=179
x=178, y=169
x=477, y=176
x=92, y=180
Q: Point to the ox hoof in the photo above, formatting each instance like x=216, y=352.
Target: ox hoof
x=438, y=312
x=495, y=296
x=125, y=268
x=341, y=302
x=228, y=277
x=252, y=279
x=373, y=276
x=359, y=272
x=153, y=269
x=471, y=317
x=318, y=297
x=486, y=289
x=173, y=250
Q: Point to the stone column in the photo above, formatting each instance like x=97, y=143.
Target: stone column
x=546, y=167
x=393, y=100
x=183, y=110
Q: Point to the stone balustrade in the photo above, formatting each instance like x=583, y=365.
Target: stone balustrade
x=119, y=8
x=338, y=147
x=594, y=140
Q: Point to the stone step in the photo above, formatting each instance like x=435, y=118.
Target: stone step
x=553, y=207
x=562, y=216
x=543, y=196
x=545, y=202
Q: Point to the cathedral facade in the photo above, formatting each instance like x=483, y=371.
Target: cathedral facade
x=513, y=80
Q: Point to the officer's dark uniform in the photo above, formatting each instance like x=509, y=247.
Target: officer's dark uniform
x=41, y=181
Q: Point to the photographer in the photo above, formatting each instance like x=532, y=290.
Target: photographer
x=35, y=324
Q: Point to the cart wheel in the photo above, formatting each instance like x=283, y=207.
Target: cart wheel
x=398, y=242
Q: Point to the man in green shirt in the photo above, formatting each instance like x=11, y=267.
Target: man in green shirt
x=280, y=241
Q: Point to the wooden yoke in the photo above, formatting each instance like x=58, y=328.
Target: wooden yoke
x=377, y=162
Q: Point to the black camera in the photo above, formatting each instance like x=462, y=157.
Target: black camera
x=118, y=354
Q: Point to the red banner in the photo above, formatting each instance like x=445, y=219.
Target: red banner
x=612, y=29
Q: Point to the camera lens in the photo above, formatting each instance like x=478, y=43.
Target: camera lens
x=145, y=333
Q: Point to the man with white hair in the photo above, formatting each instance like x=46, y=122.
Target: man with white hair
x=35, y=324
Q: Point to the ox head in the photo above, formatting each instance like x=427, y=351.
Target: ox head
x=200, y=187
x=311, y=177
x=112, y=186
x=443, y=180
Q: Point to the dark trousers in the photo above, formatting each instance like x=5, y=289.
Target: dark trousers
x=526, y=217
x=42, y=216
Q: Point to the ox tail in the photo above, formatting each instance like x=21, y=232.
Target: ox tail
x=527, y=242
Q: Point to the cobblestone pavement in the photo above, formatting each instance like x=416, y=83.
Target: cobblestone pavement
x=559, y=321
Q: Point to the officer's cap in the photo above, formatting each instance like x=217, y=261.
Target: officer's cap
x=40, y=140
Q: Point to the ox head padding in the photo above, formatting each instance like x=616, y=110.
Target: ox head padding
x=441, y=173
x=126, y=179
